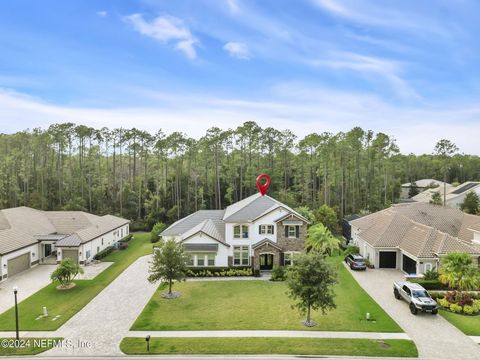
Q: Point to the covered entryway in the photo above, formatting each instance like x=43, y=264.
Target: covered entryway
x=387, y=259
x=266, y=261
x=70, y=253
x=409, y=265
x=18, y=264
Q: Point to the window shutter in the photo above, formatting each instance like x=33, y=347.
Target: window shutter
x=259, y=229
x=286, y=230
x=273, y=232
x=297, y=231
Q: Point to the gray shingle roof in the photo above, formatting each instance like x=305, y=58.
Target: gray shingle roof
x=23, y=226
x=197, y=220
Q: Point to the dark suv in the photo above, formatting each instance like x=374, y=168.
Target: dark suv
x=356, y=262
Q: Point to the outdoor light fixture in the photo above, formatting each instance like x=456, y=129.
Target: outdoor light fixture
x=15, y=291
x=147, y=339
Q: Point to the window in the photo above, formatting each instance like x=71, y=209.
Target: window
x=200, y=260
x=211, y=259
x=191, y=260
x=240, y=255
x=87, y=254
x=428, y=267
x=102, y=241
x=240, y=231
x=288, y=258
x=265, y=229
x=292, y=231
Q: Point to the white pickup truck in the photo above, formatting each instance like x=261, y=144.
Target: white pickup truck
x=416, y=296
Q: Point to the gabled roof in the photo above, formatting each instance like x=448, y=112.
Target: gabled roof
x=209, y=228
x=197, y=221
x=266, y=241
x=423, y=230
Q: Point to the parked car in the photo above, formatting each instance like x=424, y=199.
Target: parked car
x=356, y=262
x=416, y=296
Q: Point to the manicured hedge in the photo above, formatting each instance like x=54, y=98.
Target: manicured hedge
x=103, y=253
x=219, y=271
x=430, y=284
x=126, y=238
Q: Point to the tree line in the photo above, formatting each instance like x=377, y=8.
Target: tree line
x=151, y=177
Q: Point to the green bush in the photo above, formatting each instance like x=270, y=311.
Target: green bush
x=219, y=272
x=456, y=308
x=444, y=303
x=103, y=253
x=431, y=274
x=430, y=284
x=351, y=249
x=436, y=295
x=279, y=273
x=126, y=238
x=156, y=230
x=469, y=310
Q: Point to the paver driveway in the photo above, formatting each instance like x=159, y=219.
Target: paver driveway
x=107, y=318
x=28, y=283
x=434, y=336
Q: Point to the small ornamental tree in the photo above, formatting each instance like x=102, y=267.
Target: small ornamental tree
x=321, y=240
x=458, y=272
x=328, y=217
x=169, y=264
x=65, y=272
x=436, y=199
x=413, y=190
x=310, y=282
x=471, y=203
x=156, y=230
x=306, y=213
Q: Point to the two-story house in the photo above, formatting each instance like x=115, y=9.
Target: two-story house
x=258, y=232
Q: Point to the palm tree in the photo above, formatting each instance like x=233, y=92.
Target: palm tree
x=321, y=240
x=458, y=272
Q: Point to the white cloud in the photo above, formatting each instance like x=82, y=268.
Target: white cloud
x=389, y=70
x=237, y=49
x=298, y=107
x=233, y=5
x=102, y=13
x=166, y=29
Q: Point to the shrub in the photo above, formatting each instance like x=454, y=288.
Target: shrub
x=431, y=274
x=444, y=303
x=103, y=253
x=220, y=272
x=256, y=273
x=351, y=249
x=430, y=284
x=122, y=245
x=456, y=308
x=467, y=309
x=437, y=295
x=66, y=272
x=156, y=230
x=126, y=238
x=279, y=273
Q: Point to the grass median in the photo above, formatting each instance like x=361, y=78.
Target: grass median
x=277, y=346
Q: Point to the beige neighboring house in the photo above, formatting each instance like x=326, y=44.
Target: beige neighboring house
x=455, y=195
x=414, y=237
x=422, y=185
x=29, y=237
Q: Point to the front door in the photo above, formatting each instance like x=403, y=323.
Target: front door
x=266, y=261
x=48, y=249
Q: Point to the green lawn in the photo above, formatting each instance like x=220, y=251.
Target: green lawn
x=68, y=303
x=290, y=346
x=261, y=305
x=26, y=346
x=470, y=325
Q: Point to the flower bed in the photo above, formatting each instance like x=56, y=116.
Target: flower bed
x=460, y=303
x=221, y=272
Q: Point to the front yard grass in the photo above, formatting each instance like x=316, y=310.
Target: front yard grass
x=68, y=303
x=470, y=325
x=26, y=346
x=284, y=346
x=260, y=305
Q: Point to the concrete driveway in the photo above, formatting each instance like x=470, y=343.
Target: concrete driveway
x=434, y=336
x=28, y=283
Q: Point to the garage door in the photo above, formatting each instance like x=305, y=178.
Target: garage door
x=409, y=265
x=72, y=254
x=18, y=264
x=388, y=259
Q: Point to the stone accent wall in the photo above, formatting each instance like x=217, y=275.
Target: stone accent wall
x=266, y=248
x=291, y=244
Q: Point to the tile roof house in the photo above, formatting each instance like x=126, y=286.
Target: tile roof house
x=422, y=185
x=257, y=232
x=29, y=237
x=454, y=194
x=414, y=237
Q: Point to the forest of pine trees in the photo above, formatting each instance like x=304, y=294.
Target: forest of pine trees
x=161, y=177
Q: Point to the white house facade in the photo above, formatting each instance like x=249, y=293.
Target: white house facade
x=257, y=232
x=29, y=237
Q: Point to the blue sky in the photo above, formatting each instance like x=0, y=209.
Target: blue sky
x=410, y=69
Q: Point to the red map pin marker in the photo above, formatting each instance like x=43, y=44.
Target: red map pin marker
x=263, y=188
